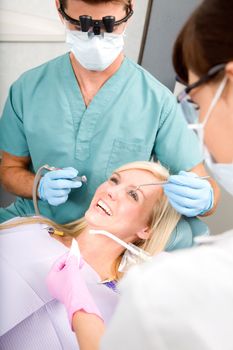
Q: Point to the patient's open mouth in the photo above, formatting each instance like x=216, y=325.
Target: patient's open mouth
x=104, y=207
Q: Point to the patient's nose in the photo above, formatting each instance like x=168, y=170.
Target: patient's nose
x=115, y=191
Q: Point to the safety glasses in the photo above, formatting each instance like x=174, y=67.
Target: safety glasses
x=85, y=23
x=184, y=95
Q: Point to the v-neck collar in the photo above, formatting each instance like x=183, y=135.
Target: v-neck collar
x=85, y=118
x=110, y=85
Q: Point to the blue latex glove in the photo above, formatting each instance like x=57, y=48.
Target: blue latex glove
x=56, y=185
x=188, y=194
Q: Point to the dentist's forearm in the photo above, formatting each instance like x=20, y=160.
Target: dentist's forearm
x=17, y=181
x=15, y=176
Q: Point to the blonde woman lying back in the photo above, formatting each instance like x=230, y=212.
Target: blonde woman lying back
x=144, y=217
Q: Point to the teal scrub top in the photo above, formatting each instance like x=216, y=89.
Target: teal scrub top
x=132, y=117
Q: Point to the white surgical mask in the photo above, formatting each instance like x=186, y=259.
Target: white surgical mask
x=223, y=172
x=192, y=115
x=95, y=52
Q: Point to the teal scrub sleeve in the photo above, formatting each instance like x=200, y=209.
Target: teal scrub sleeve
x=12, y=133
x=184, y=233
x=176, y=146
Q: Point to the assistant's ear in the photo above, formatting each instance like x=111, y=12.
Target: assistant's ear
x=144, y=233
x=229, y=70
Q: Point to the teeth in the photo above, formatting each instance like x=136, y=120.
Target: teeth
x=104, y=206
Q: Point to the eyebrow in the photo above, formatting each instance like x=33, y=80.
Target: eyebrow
x=115, y=173
x=134, y=186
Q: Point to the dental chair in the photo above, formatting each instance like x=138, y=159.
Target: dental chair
x=185, y=232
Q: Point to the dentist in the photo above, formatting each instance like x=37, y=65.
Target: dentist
x=90, y=111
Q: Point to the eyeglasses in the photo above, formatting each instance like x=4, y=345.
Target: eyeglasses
x=86, y=22
x=210, y=74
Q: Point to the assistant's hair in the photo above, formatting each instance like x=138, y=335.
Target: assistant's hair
x=126, y=3
x=162, y=221
x=205, y=40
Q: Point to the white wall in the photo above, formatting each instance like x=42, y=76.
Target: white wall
x=31, y=33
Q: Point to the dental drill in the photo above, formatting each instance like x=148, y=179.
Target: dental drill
x=39, y=173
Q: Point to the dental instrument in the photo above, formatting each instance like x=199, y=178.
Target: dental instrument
x=159, y=183
x=38, y=175
x=129, y=246
x=82, y=178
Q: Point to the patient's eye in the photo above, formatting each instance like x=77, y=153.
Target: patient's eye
x=133, y=194
x=114, y=179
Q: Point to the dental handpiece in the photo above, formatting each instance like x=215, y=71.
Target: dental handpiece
x=38, y=175
x=82, y=178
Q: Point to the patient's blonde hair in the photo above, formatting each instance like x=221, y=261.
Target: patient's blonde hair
x=164, y=217
x=163, y=220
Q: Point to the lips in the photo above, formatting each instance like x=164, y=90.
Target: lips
x=104, y=207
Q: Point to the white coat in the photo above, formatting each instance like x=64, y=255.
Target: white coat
x=183, y=301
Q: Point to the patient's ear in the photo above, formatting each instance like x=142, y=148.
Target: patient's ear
x=144, y=233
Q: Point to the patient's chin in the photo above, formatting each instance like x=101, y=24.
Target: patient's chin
x=92, y=218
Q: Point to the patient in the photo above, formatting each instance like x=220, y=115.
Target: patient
x=142, y=216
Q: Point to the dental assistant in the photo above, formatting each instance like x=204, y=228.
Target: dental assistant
x=88, y=112
x=183, y=301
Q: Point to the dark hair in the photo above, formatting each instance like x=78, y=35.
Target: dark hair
x=127, y=3
x=205, y=40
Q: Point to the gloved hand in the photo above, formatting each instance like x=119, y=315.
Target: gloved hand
x=188, y=194
x=66, y=284
x=55, y=185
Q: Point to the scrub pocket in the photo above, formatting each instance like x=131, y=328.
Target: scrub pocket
x=125, y=152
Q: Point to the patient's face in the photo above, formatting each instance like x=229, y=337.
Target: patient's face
x=120, y=209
